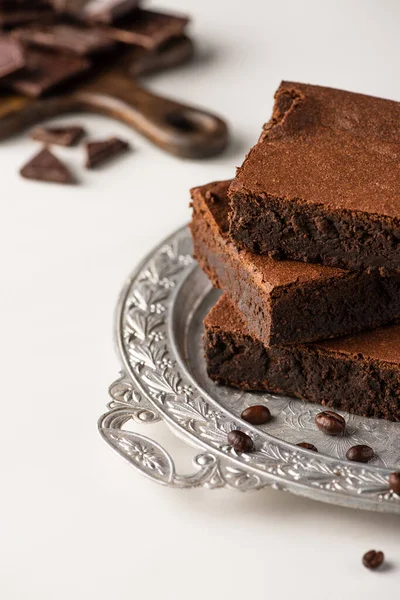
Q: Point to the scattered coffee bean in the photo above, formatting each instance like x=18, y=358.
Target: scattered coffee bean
x=308, y=446
x=394, y=482
x=257, y=414
x=330, y=422
x=373, y=559
x=240, y=441
x=360, y=453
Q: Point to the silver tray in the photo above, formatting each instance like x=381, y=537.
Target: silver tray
x=158, y=337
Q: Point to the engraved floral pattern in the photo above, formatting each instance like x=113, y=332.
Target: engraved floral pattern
x=150, y=359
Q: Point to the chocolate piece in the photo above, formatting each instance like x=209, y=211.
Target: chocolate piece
x=373, y=559
x=257, y=414
x=76, y=39
x=174, y=52
x=61, y=136
x=360, y=453
x=394, y=482
x=359, y=374
x=322, y=184
x=45, y=71
x=47, y=167
x=286, y=301
x=147, y=28
x=240, y=441
x=100, y=152
x=307, y=446
x=107, y=11
x=330, y=422
x=11, y=56
x=71, y=7
x=22, y=3
x=11, y=17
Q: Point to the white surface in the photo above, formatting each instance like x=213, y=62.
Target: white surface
x=76, y=521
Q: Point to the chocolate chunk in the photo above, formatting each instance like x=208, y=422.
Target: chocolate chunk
x=76, y=39
x=360, y=453
x=394, y=482
x=174, y=52
x=107, y=11
x=240, y=441
x=61, y=136
x=373, y=559
x=19, y=3
x=330, y=422
x=307, y=446
x=99, y=152
x=44, y=71
x=147, y=28
x=11, y=17
x=47, y=167
x=11, y=56
x=257, y=414
x=72, y=7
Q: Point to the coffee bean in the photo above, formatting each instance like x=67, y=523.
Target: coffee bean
x=360, y=453
x=394, y=482
x=308, y=446
x=373, y=559
x=240, y=441
x=257, y=414
x=330, y=422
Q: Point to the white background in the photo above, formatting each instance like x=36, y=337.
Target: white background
x=76, y=521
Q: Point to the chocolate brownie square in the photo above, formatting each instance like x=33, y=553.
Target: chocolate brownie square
x=285, y=302
x=322, y=185
x=359, y=374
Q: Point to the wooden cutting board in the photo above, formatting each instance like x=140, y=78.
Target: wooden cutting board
x=115, y=91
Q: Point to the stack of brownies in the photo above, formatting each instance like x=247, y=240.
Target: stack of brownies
x=305, y=244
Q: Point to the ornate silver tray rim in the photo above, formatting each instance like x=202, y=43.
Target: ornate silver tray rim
x=157, y=384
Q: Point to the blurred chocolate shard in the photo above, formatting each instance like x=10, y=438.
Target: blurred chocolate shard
x=60, y=136
x=100, y=152
x=75, y=39
x=23, y=3
x=107, y=11
x=11, y=56
x=45, y=71
x=14, y=16
x=147, y=28
x=71, y=7
x=47, y=167
x=174, y=52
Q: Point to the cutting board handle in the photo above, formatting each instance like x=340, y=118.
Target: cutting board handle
x=182, y=130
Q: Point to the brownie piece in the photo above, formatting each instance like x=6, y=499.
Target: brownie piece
x=285, y=302
x=322, y=185
x=359, y=374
